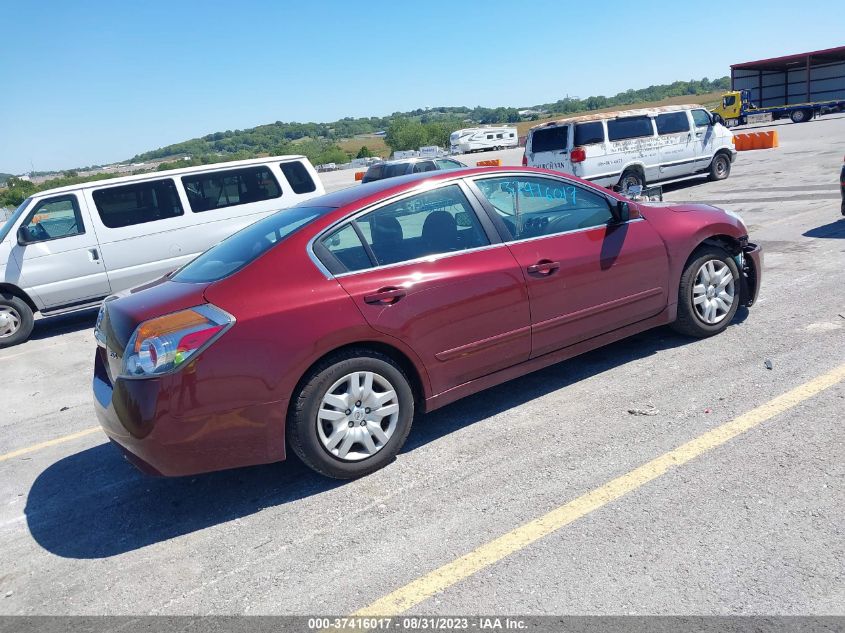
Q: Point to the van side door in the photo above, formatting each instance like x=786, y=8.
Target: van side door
x=677, y=147
x=58, y=254
x=705, y=138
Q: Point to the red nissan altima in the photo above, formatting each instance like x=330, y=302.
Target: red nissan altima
x=326, y=327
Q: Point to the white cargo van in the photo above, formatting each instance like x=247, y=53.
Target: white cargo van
x=634, y=147
x=68, y=248
x=475, y=139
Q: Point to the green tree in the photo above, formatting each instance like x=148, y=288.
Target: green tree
x=17, y=190
x=364, y=152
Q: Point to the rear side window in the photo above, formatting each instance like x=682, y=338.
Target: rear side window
x=298, y=177
x=426, y=165
x=550, y=139
x=228, y=188
x=246, y=245
x=138, y=203
x=589, y=133
x=672, y=123
x=629, y=127
x=348, y=249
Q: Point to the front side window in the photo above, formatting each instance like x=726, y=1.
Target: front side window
x=629, y=127
x=700, y=118
x=672, y=123
x=589, y=133
x=220, y=189
x=445, y=163
x=54, y=218
x=431, y=223
x=298, y=177
x=550, y=139
x=729, y=101
x=533, y=206
x=137, y=203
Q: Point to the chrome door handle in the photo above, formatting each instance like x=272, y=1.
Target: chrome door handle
x=543, y=267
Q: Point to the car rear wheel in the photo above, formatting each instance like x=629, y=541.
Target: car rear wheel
x=708, y=295
x=720, y=167
x=352, y=414
x=16, y=320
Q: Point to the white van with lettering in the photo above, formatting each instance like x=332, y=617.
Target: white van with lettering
x=68, y=248
x=635, y=147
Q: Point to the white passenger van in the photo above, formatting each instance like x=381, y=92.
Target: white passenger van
x=634, y=147
x=68, y=248
x=475, y=139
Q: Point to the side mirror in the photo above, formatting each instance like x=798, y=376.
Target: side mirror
x=23, y=236
x=621, y=212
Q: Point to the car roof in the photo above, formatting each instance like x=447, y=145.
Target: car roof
x=167, y=173
x=358, y=196
x=600, y=116
x=412, y=159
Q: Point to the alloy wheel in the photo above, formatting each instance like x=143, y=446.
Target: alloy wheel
x=714, y=291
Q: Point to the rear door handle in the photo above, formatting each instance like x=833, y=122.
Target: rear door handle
x=543, y=267
x=385, y=296
x=94, y=254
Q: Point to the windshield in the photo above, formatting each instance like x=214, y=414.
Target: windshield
x=245, y=246
x=7, y=226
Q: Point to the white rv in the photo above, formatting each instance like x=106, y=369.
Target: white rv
x=475, y=139
x=68, y=248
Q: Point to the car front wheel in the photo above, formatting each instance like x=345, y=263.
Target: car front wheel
x=352, y=414
x=708, y=294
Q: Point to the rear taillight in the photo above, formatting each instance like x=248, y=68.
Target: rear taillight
x=524, y=160
x=162, y=345
x=578, y=155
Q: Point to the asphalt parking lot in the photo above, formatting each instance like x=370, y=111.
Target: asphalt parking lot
x=744, y=524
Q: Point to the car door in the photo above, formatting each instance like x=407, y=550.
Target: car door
x=425, y=269
x=58, y=254
x=677, y=147
x=705, y=138
x=586, y=275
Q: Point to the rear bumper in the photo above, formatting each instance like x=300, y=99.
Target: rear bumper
x=752, y=273
x=164, y=427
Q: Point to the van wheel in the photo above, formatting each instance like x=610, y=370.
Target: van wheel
x=16, y=320
x=708, y=294
x=720, y=167
x=352, y=414
x=630, y=178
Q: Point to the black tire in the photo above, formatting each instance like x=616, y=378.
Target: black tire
x=16, y=320
x=631, y=178
x=801, y=116
x=688, y=321
x=302, y=432
x=720, y=167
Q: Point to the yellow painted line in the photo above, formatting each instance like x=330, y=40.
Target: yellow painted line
x=461, y=568
x=48, y=443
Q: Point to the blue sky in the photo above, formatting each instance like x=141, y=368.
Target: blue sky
x=95, y=82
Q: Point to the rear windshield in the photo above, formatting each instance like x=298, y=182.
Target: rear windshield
x=550, y=139
x=240, y=249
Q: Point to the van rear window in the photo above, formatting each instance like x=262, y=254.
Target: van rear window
x=629, y=127
x=138, y=203
x=298, y=177
x=550, y=139
x=589, y=133
x=220, y=189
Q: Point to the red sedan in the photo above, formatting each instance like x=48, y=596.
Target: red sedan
x=327, y=326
